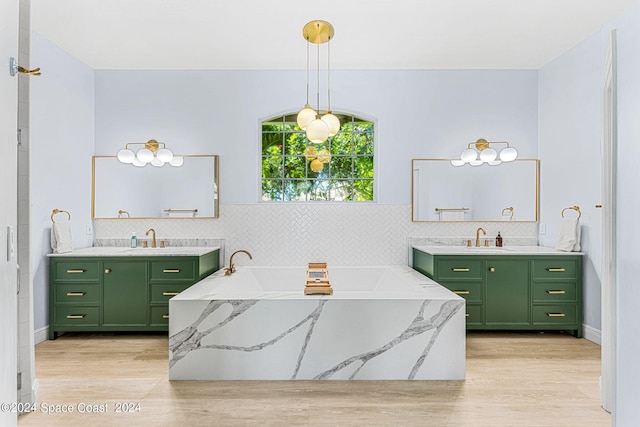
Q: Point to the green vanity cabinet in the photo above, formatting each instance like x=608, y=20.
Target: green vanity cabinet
x=508, y=292
x=120, y=293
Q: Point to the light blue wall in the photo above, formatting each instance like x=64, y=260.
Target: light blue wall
x=570, y=132
x=62, y=132
x=417, y=114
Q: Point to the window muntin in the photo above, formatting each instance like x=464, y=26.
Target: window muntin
x=291, y=164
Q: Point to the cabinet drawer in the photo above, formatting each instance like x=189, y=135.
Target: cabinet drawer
x=163, y=292
x=159, y=315
x=554, y=291
x=470, y=291
x=556, y=268
x=554, y=314
x=76, y=271
x=77, y=315
x=474, y=314
x=77, y=294
x=173, y=270
x=449, y=268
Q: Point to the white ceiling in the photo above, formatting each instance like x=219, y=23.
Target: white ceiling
x=369, y=34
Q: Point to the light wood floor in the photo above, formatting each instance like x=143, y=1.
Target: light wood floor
x=513, y=379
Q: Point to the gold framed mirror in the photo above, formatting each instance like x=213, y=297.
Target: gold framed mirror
x=505, y=192
x=120, y=190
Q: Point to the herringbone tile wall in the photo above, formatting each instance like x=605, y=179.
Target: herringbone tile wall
x=339, y=234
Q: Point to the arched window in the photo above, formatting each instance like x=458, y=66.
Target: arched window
x=295, y=169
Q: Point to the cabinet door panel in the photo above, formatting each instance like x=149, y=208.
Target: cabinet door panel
x=459, y=268
x=76, y=271
x=125, y=300
x=507, y=292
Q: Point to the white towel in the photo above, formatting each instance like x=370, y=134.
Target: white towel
x=569, y=235
x=61, y=241
x=451, y=215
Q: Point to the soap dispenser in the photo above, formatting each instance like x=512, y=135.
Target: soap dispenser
x=134, y=240
x=498, y=240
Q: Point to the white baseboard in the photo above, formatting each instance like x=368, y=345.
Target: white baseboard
x=592, y=334
x=40, y=335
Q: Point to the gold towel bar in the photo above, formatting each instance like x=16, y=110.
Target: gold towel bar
x=57, y=211
x=575, y=208
x=451, y=209
x=181, y=210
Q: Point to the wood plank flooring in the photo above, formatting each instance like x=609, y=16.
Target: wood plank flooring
x=513, y=379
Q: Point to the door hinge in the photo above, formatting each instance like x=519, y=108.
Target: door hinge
x=19, y=137
x=19, y=381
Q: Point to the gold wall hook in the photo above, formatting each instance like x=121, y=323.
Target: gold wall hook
x=14, y=69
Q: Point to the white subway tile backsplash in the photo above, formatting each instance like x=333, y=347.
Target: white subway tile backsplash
x=295, y=234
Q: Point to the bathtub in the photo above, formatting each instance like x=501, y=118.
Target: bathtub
x=257, y=324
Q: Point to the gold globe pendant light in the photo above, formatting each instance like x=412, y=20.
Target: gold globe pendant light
x=321, y=127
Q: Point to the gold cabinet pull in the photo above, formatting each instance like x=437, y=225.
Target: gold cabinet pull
x=556, y=314
x=170, y=294
x=492, y=269
x=171, y=270
x=107, y=270
x=75, y=294
x=459, y=269
x=75, y=271
x=555, y=270
x=76, y=316
x=461, y=292
x=466, y=314
x=165, y=316
x=550, y=292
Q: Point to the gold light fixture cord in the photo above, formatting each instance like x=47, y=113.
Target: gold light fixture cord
x=307, y=71
x=318, y=75
x=329, y=74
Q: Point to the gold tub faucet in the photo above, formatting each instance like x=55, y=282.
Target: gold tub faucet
x=478, y=235
x=232, y=268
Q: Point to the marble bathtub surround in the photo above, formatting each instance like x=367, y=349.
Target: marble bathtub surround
x=256, y=325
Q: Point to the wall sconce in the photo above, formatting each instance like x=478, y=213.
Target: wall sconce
x=318, y=128
x=480, y=152
x=152, y=151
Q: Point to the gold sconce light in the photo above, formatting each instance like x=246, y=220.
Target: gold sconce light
x=152, y=151
x=318, y=128
x=481, y=151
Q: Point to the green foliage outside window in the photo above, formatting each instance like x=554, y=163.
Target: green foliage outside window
x=344, y=163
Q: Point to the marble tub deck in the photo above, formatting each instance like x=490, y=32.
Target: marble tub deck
x=380, y=323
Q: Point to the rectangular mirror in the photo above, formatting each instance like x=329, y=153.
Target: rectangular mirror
x=120, y=190
x=505, y=192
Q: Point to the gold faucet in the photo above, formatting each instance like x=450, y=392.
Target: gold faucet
x=153, y=237
x=232, y=268
x=478, y=235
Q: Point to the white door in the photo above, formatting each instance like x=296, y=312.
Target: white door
x=609, y=142
x=8, y=210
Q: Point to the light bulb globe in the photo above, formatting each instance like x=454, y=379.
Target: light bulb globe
x=488, y=155
x=333, y=123
x=469, y=155
x=508, y=154
x=317, y=131
x=306, y=116
x=457, y=163
x=177, y=161
x=144, y=155
x=126, y=156
x=164, y=155
x=476, y=162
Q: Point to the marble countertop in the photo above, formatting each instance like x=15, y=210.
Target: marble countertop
x=402, y=283
x=108, y=251
x=492, y=250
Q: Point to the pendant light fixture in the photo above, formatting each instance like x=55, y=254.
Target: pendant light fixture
x=480, y=152
x=318, y=128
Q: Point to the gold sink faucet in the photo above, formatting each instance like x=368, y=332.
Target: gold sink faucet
x=478, y=235
x=232, y=268
x=153, y=237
